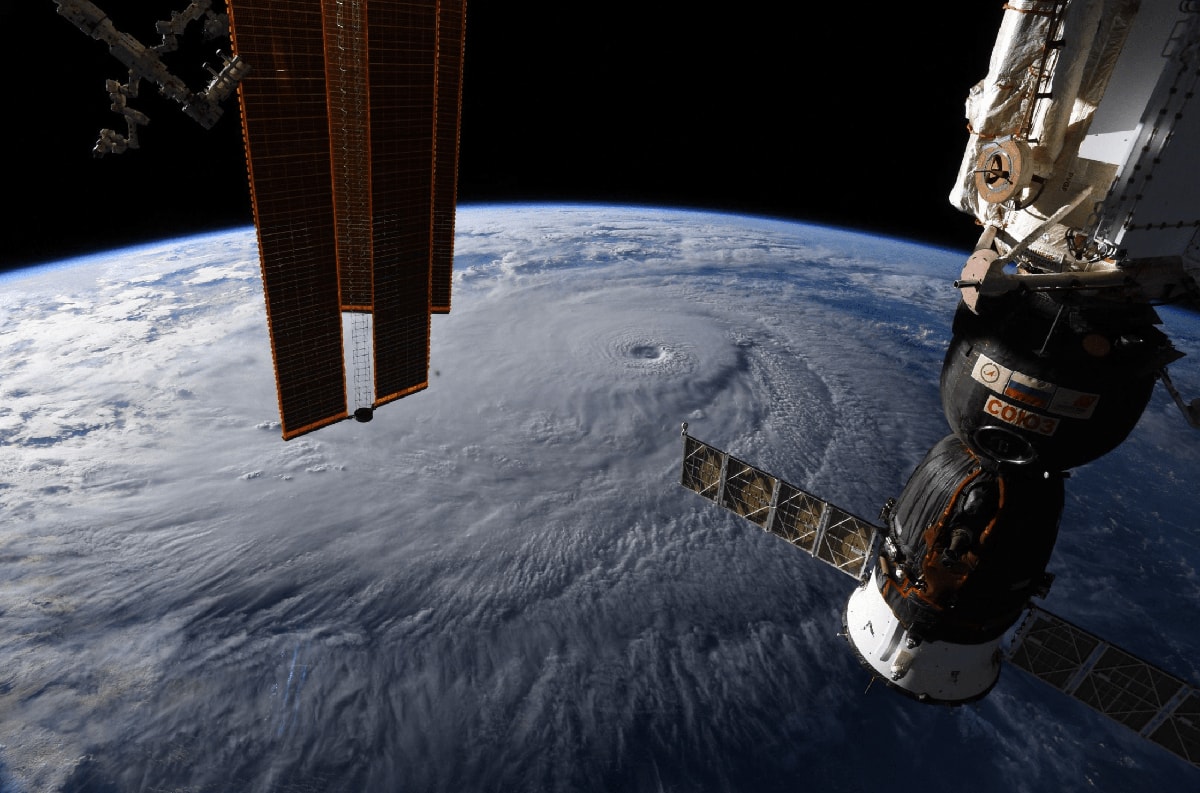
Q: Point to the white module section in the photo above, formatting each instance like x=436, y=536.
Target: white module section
x=934, y=671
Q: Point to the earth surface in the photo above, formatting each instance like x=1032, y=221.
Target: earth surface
x=498, y=584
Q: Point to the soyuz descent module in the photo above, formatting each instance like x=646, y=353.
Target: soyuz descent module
x=1082, y=168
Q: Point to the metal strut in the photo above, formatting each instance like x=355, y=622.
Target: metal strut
x=361, y=362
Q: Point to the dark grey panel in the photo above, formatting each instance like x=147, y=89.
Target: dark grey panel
x=1127, y=689
x=1121, y=686
x=797, y=517
x=701, y=468
x=832, y=535
x=1180, y=730
x=846, y=541
x=1052, y=649
x=747, y=491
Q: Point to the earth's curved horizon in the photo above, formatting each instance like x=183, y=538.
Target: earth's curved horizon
x=498, y=584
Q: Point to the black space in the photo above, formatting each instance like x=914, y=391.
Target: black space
x=847, y=115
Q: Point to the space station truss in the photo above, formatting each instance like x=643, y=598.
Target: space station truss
x=1126, y=689
x=351, y=125
x=832, y=535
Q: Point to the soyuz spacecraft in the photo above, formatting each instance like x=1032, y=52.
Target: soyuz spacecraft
x=1081, y=167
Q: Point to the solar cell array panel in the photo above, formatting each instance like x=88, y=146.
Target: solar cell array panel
x=286, y=131
x=1147, y=700
x=845, y=541
x=344, y=140
x=798, y=516
x=747, y=491
x=830, y=534
x=346, y=76
x=402, y=38
x=451, y=40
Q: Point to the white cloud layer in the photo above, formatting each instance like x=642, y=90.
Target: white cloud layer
x=498, y=583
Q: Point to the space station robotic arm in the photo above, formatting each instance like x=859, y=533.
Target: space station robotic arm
x=1084, y=148
x=146, y=63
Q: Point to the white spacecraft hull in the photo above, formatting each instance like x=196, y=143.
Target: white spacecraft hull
x=933, y=671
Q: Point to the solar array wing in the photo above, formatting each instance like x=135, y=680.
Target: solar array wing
x=845, y=542
x=1142, y=697
x=402, y=39
x=286, y=131
x=451, y=41
x=351, y=126
x=702, y=466
x=832, y=535
x=748, y=491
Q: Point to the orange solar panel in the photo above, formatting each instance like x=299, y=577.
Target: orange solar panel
x=403, y=57
x=346, y=75
x=287, y=153
x=451, y=40
x=351, y=118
